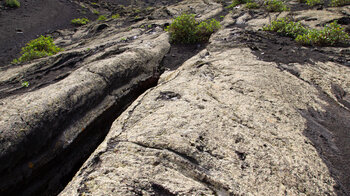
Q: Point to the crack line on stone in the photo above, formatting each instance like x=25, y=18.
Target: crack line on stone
x=198, y=173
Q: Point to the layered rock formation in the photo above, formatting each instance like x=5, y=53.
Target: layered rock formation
x=251, y=114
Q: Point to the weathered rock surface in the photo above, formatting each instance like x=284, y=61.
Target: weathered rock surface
x=229, y=122
x=50, y=127
x=251, y=114
x=39, y=126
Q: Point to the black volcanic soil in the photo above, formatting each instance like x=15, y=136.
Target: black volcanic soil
x=32, y=19
x=39, y=17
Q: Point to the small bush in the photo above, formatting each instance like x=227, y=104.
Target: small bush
x=186, y=30
x=275, y=6
x=102, y=18
x=206, y=28
x=12, y=3
x=252, y=5
x=332, y=34
x=95, y=12
x=337, y=3
x=183, y=29
x=314, y=2
x=115, y=16
x=286, y=27
x=237, y=2
x=80, y=21
x=37, y=48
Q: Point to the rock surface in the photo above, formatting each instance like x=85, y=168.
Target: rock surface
x=229, y=122
x=253, y=113
x=38, y=126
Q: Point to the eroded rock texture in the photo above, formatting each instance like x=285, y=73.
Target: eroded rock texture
x=227, y=123
x=253, y=113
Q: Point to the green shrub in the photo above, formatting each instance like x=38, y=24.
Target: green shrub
x=186, y=30
x=332, y=34
x=275, y=6
x=337, y=3
x=314, y=2
x=183, y=29
x=115, y=16
x=237, y=2
x=95, y=12
x=102, y=18
x=12, y=3
x=206, y=28
x=252, y=5
x=286, y=27
x=80, y=21
x=37, y=48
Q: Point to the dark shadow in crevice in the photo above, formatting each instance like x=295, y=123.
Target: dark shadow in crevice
x=53, y=176
x=329, y=132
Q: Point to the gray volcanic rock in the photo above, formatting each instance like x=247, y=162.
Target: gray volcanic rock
x=228, y=123
x=50, y=126
x=37, y=126
x=251, y=114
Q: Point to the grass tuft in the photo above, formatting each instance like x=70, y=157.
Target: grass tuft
x=102, y=18
x=38, y=48
x=80, y=21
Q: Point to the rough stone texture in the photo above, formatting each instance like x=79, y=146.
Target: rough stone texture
x=73, y=97
x=38, y=125
x=252, y=114
x=225, y=123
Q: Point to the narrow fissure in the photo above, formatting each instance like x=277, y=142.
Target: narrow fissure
x=52, y=178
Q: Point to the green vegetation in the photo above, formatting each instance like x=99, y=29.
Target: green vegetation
x=12, y=3
x=275, y=6
x=332, y=34
x=285, y=26
x=314, y=2
x=37, y=48
x=337, y=3
x=252, y=5
x=115, y=16
x=95, y=12
x=25, y=84
x=186, y=30
x=80, y=21
x=333, y=3
x=102, y=18
x=238, y=2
